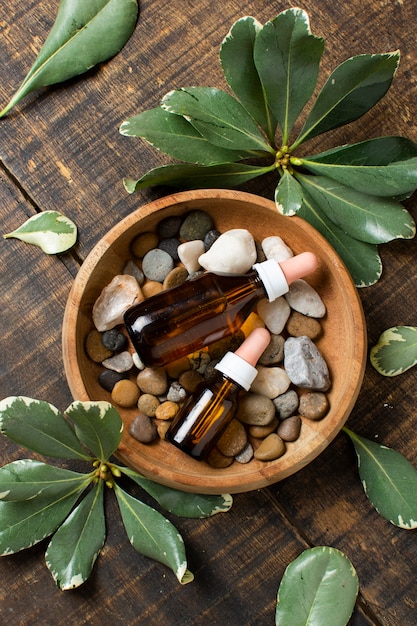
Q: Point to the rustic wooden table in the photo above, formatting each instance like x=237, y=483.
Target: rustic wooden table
x=61, y=149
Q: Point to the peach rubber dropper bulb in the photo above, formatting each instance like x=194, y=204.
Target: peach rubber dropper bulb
x=253, y=346
x=298, y=266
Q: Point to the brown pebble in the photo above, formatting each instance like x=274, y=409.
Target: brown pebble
x=289, y=429
x=270, y=449
x=94, y=347
x=313, y=405
x=152, y=380
x=217, y=459
x=177, y=276
x=148, y=404
x=143, y=243
x=143, y=429
x=255, y=409
x=162, y=428
x=177, y=367
x=151, y=288
x=260, y=432
x=125, y=393
x=190, y=380
x=166, y=410
x=233, y=440
x=299, y=325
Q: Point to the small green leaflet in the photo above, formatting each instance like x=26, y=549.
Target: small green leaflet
x=39, y=426
x=51, y=231
x=73, y=549
x=389, y=481
x=288, y=195
x=396, y=350
x=182, y=503
x=319, y=587
x=84, y=34
x=98, y=426
x=287, y=57
x=153, y=535
x=26, y=479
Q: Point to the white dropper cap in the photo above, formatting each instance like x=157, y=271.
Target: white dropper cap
x=240, y=365
x=277, y=277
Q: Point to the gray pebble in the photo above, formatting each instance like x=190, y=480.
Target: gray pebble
x=289, y=429
x=121, y=362
x=157, y=264
x=169, y=226
x=245, y=455
x=196, y=225
x=305, y=365
x=170, y=245
x=210, y=238
x=134, y=270
x=274, y=352
x=114, y=340
x=286, y=404
x=176, y=393
x=143, y=429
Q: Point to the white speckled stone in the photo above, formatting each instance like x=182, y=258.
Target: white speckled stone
x=275, y=248
x=234, y=252
x=121, y=362
x=120, y=294
x=305, y=364
x=270, y=381
x=275, y=314
x=302, y=297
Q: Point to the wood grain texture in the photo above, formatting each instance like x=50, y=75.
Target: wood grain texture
x=61, y=149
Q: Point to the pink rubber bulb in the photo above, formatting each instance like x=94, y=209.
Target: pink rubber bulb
x=299, y=266
x=254, y=345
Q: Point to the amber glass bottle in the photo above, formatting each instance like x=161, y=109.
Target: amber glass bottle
x=205, y=416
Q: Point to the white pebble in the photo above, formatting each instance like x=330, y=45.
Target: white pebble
x=270, y=381
x=274, y=314
x=121, y=362
x=189, y=253
x=275, y=248
x=120, y=294
x=302, y=297
x=234, y=252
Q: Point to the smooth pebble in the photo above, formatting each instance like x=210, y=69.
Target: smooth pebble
x=289, y=429
x=152, y=380
x=270, y=381
x=114, y=340
x=189, y=253
x=166, y=410
x=125, y=393
x=143, y=243
x=275, y=248
x=275, y=314
x=170, y=245
x=299, y=325
x=121, y=362
x=233, y=440
x=313, y=405
x=107, y=379
x=196, y=225
x=255, y=409
x=94, y=347
x=245, y=455
x=143, y=429
x=302, y=297
x=157, y=264
x=234, y=252
x=134, y=270
x=274, y=353
x=177, y=276
x=271, y=448
x=148, y=403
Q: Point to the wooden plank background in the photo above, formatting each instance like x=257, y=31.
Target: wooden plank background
x=61, y=149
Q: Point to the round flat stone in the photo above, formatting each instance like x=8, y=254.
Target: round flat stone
x=125, y=393
x=177, y=276
x=255, y=409
x=299, y=325
x=313, y=405
x=233, y=440
x=148, y=404
x=121, y=362
x=143, y=243
x=143, y=429
x=157, y=264
x=270, y=449
x=302, y=297
x=274, y=353
x=270, y=381
x=94, y=347
x=196, y=225
x=152, y=380
x=289, y=429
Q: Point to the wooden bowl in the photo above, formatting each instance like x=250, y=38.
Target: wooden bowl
x=343, y=342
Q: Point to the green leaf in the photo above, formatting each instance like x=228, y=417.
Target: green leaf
x=351, y=90
x=389, y=481
x=361, y=259
x=26, y=478
x=395, y=351
x=24, y=523
x=182, y=503
x=153, y=535
x=73, y=549
x=236, y=57
x=173, y=135
x=287, y=57
x=288, y=195
x=367, y=218
x=219, y=117
x=51, y=231
x=197, y=176
x=385, y=166
x=98, y=426
x=84, y=34
x=319, y=587
x=39, y=426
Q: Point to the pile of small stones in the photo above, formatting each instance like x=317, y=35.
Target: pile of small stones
x=293, y=376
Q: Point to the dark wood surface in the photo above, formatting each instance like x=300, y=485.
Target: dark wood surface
x=61, y=149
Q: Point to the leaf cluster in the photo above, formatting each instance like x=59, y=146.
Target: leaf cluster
x=351, y=194
x=39, y=500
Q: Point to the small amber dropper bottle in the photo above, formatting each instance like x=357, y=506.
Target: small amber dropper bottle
x=204, y=417
x=193, y=315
